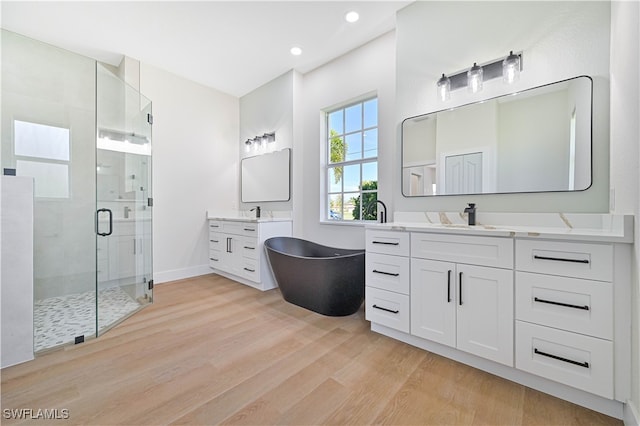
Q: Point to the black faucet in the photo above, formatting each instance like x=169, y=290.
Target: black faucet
x=383, y=214
x=257, y=209
x=471, y=211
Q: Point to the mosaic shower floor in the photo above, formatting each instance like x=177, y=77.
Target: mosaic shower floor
x=58, y=320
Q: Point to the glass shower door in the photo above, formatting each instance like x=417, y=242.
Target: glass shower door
x=124, y=201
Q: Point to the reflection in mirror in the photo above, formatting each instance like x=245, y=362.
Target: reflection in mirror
x=537, y=140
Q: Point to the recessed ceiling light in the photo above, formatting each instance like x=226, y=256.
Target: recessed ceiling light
x=352, y=16
x=296, y=51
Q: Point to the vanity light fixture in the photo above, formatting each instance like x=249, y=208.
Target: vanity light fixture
x=296, y=51
x=508, y=68
x=259, y=142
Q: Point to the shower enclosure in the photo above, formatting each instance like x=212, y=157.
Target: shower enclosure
x=84, y=136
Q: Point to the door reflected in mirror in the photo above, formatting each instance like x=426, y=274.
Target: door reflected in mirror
x=537, y=140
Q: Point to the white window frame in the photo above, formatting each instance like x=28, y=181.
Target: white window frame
x=327, y=165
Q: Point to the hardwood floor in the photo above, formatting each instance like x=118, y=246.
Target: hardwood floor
x=212, y=351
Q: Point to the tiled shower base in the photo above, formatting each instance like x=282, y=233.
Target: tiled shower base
x=58, y=320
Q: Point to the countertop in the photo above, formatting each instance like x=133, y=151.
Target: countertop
x=589, y=227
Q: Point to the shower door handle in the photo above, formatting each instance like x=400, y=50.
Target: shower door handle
x=104, y=234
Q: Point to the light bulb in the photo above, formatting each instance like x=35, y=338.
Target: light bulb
x=511, y=68
x=474, y=78
x=444, y=88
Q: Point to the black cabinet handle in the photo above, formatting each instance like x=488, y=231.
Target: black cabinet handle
x=566, y=305
x=228, y=244
x=249, y=248
x=211, y=258
x=449, y=286
x=214, y=241
x=560, y=259
x=250, y=229
x=559, y=358
x=250, y=270
x=375, y=271
x=385, y=309
x=104, y=234
x=460, y=288
x=385, y=243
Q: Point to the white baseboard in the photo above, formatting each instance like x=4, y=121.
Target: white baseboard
x=631, y=417
x=179, y=274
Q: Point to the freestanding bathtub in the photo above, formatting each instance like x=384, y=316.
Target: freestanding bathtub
x=326, y=280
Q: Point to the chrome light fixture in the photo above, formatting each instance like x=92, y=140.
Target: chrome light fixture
x=511, y=68
x=508, y=68
x=444, y=88
x=259, y=142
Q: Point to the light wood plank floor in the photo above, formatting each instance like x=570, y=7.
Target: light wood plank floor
x=212, y=351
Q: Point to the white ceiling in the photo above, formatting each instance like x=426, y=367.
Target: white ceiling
x=232, y=46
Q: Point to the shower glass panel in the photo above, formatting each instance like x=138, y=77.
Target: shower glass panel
x=48, y=133
x=123, y=218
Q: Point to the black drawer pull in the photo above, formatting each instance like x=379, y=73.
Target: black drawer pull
x=566, y=305
x=560, y=259
x=386, y=243
x=559, y=358
x=214, y=241
x=215, y=226
x=250, y=229
x=460, y=289
x=385, y=309
x=250, y=270
x=375, y=271
x=211, y=258
x=249, y=248
x=449, y=286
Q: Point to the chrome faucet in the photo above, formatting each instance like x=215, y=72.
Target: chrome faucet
x=257, y=209
x=471, y=213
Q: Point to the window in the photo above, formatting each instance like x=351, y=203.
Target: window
x=352, y=163
x=42, y=152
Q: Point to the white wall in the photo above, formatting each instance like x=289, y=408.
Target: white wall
x=195, y=168
x=266, y=109
x=368, y=69
x=625, y=161
x=559, y=40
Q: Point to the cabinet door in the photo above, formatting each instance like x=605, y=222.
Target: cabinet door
x=433, y=300
x=485, y=312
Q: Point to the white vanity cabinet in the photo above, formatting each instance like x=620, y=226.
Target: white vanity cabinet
x=236, y=249
x=466, y=306
x=564, y=312
x=387, y=279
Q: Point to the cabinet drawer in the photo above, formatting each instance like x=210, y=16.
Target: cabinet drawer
x=573, y=359
x=215, y=259
x=387, y=242
x=387, y=272
x=216, y=241
x=250, y=229
x=250, y=269
x=580, y=260
x=484, y=251
x=571, y=304
x=250, y=248
x=387, y=308
x=215, y=226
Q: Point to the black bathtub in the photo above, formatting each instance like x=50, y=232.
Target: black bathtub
x=326, y=280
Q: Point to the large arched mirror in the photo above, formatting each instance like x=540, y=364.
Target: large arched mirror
x=537, y=140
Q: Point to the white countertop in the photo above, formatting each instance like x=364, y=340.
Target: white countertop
x=579, y=227
x=240, y=216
